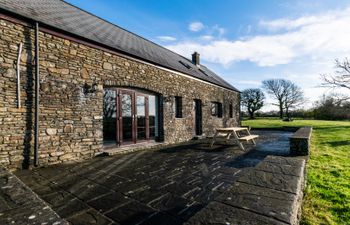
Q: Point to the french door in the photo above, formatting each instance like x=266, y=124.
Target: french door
x=135, y=117
x=133, y=120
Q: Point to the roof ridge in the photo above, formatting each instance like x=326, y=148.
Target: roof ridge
x=70, y=18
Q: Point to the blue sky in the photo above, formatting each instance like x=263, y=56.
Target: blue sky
x=243, y=41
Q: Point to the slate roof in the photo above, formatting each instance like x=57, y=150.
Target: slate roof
x=71, y=19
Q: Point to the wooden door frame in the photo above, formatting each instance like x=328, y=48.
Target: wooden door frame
x=146, y=116
x=119, y=123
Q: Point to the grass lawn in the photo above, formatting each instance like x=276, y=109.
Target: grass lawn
x=327, y=194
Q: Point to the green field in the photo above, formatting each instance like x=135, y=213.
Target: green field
x=327, y=194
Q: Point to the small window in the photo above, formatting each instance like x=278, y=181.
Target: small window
x=178, y=107
x=204, y=72
x=185, y=65
x=216, y=109
x=231, y=111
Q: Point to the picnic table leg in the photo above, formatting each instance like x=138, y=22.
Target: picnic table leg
x=212, y=141
x=240, y=145
x=251, y=139
x=237, y=140
x=228, y=137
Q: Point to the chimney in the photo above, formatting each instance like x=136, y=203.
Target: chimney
x=195, y=58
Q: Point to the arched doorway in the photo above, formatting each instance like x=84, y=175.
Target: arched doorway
x=130, y=116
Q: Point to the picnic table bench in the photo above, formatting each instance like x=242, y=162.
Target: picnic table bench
x=236, y=133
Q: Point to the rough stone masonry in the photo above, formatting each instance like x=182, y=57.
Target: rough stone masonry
x=71, y=122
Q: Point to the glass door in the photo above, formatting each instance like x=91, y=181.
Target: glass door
x=109, y=117
x=126, y=117
x=129, y=116
x=152, y=116
x=142, y=117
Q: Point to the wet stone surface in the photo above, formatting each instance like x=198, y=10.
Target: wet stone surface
x=19, y=205
x=279, y=182
x=172, y=185
x=269, y=191
x=271, y=203
x=219, y=213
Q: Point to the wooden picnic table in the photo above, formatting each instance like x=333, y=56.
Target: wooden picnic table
x=236, y=133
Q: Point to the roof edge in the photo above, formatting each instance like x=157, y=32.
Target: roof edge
x=27, y=21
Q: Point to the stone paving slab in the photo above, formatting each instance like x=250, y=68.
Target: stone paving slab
x=89, y=217
x=292, y=161
x=286, y=169
x=274, y=181
x=131, y=213
x=173, y=185
x=264, y=201
x=264, y=194
x=219, y=213
x=58, y=198
x=108, y=201
x=20, y=205
x=162, y=219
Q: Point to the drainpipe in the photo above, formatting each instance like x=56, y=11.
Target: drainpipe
x=37, y=77
x=19, y=76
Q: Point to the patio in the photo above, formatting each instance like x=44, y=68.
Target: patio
x=171, y=185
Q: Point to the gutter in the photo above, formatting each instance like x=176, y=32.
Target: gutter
x=47, y=28
x=37, y=83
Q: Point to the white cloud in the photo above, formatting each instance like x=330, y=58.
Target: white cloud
x=249, y=29
x=207, y=37
x=167, y=38
x=220, y=30
x=195, y=26
x=289, y=24
x=317, y=37
x=255, y=83
x=259, y=50
x=298, y=49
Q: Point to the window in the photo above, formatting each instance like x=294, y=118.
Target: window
x=216, y=109
x=231, y=111
x=178, y=107
x=204, y=72
x=185, y=65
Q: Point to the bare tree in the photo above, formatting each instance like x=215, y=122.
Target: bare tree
x=253, y=99
x=287, y=94
x=341, y=78
x=293, y=98
x=276, y=88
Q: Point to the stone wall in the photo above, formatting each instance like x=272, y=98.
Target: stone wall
x=300, y=141
x=70, y=121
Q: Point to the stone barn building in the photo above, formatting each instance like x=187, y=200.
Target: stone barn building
x=73, y=85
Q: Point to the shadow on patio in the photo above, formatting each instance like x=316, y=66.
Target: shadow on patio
x=166, y=186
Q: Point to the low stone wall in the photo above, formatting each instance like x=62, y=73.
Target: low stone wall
x=300, y=142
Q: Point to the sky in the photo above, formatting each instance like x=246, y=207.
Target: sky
x=245, y=42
